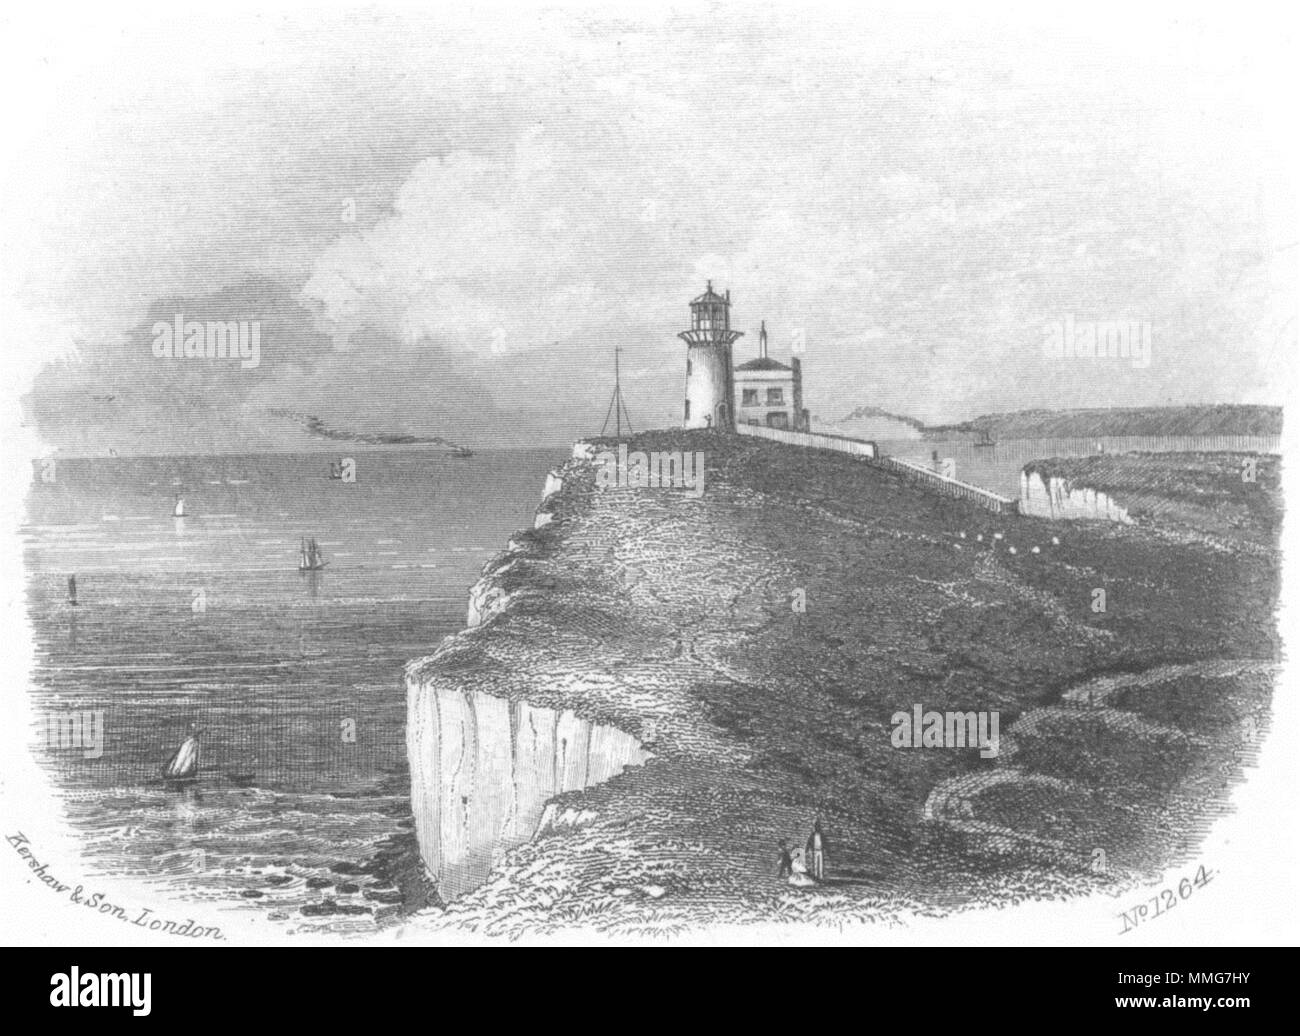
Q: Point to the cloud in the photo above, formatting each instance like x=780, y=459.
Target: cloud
x=528, y=197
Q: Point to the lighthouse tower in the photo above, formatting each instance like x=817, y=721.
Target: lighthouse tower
x=710, y=393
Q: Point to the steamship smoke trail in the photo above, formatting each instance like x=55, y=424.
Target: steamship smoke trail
x=319, y=428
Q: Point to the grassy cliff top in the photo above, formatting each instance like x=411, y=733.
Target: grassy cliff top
x=676, y=618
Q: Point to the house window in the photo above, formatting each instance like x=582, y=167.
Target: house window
x=749, y=397
x=774, y=397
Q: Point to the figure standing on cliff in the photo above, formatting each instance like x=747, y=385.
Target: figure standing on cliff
x=816, y=851
x=798, y=872
x=784, y=871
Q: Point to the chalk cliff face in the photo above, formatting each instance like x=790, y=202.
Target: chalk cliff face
x=486, y=599
x=1056, y=498
x=483, y=769
x=554, y=483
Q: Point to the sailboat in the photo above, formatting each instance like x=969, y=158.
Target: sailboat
x=336, y=469
x=985, y=438
x=72, y=590
x=184, y=762
x=179, y=510
x=310, y=559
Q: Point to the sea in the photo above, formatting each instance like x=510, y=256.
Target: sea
x=300, y=815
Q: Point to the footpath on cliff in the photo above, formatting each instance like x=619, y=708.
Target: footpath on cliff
x=759, y=640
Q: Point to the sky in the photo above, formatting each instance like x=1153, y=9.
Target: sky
x=447, y=222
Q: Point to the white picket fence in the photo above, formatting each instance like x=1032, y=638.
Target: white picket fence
x=855, y=447
x=867, y=450
x=951, y=487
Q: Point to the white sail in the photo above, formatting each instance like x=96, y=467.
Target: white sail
x=179, y=511
x=185, y=762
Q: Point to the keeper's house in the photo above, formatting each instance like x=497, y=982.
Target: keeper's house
x=770, y=393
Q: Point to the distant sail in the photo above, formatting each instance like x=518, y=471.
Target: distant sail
x=179, y=511
x=72, y=589
x=184, y=762
x=310, y=557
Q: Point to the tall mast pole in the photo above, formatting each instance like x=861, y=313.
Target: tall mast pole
x=616, y=402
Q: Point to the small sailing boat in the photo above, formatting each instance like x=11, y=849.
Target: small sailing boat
x=310, y=557
x=985, y=438
x=184, y=762
x=462, y=451
x=72, y=590
x=179, y=510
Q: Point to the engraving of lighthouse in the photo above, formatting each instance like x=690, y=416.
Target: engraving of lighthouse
x=710, y=389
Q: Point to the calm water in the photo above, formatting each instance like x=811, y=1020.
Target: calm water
x=998, y=467
x=302, y=811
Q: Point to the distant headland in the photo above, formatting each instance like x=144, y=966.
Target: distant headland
x=1089, y=422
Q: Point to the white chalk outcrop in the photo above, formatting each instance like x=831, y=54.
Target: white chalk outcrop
x=1056, y=498
x=554, y=483
x=486, y=599
x=483, y=770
